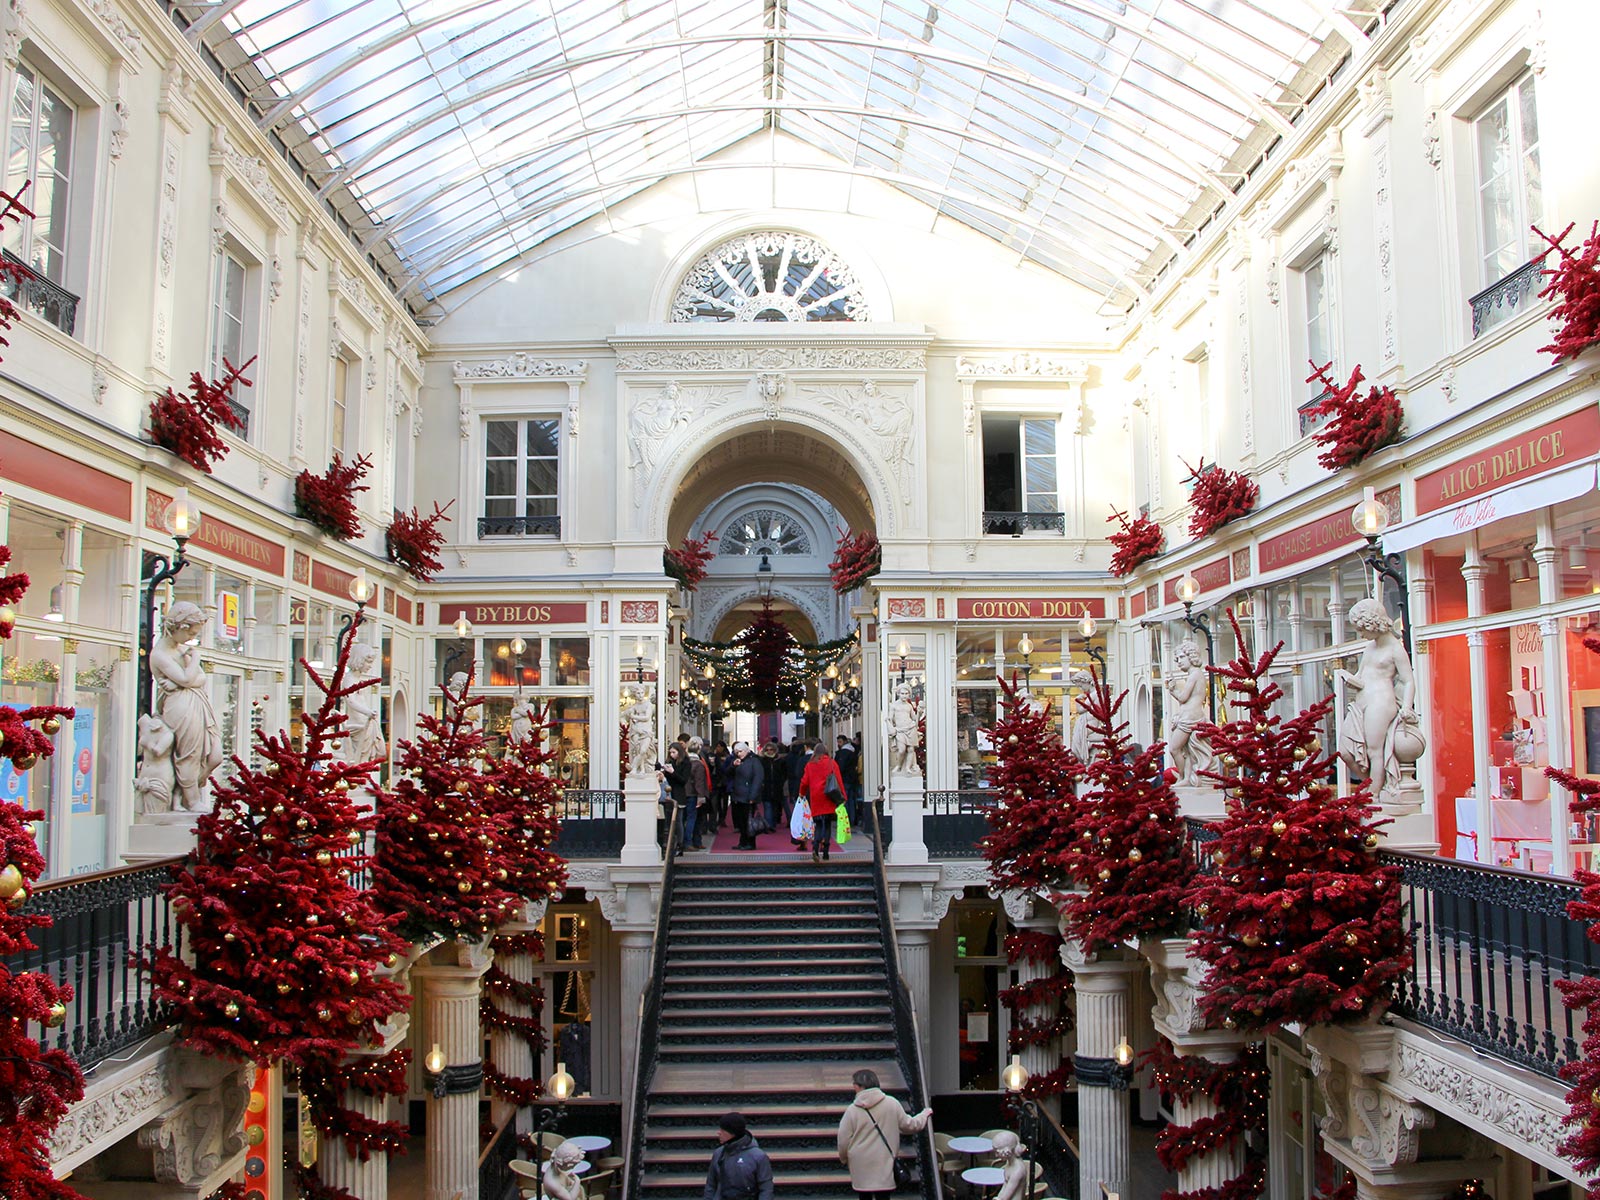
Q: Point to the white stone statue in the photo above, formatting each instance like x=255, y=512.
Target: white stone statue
x=1008, y=1157
x=1082, y=736
x=561, y=1182
x=904, y=736
x=156, y=777
x=524, y=717
x=1381, y=735
x=641, y=718
x=1187, y=683
x=456, y=690
x=183, y=703
x=363, y=728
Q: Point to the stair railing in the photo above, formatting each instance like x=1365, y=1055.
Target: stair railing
x=908, y=1037
x=649, y=1024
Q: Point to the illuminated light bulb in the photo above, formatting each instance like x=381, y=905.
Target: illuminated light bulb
x=518, y=646
x=1025, y=646
x=833, y=671
x=1371, y=516
x=435, y=1060
x=561, y=1084
x=182, y=517
x=1188, y=588
x=1087, y=625
x=360, y=587
x=1015, y=1076
x=1123, y=1053
x=463, y=626
x=710, y=671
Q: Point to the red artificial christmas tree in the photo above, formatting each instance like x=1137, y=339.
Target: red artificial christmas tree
x=412, y=542
x=328, y=500
x=1130, y=859
x=688, y=563
x=1301, y=923
x=1582, y=1144
x=1239, y=1089
x=438, y=869
x=1134, y=541
x=1031, y=837
x=1357, y=425
x=1047, y=993
x=187, y=425
x=37, y=1086
x=524, y=798
x=1575, y=287
x=1219, y=496
x=856, y=558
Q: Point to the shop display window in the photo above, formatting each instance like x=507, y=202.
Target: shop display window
x=95, y=753
x=1583, y=724
x=507, y=668
x=30, y=673
x=452, y=655
x=977, y=710
x=105, y=560
x=1577, y=539
x=1316, y=622
x=229, y=631
x=980, y=933
x=1510, y=577
x=568, y=979
x=569, y=661
x=37, y=542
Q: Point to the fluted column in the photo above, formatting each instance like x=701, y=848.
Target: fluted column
x=635, y=967
x=1220, y=1165
x=451, y=988
x=510, y=1051
x=916, y=969
x=1103, y=986
x=339, y=1168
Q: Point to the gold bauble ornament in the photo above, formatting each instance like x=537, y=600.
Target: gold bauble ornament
x=11, y=881
x=500, y=874
x=1351, y=938
x=1251, y=940
x=353, y=837
x=25, y=762
x=1257, y=851
x=1230, y=760
x=1105, y=873
x=1314, y=745
x=1287, y=902
x=341, y=785
x=277, y=810
x=433, y=835
x=1261, y=726
x=1135, y=855
x=302, y=823
x=1371, y=841
x=324, y=1015
x=323, y=858
x=51, y=725
x=230, y=1010
x=1012, y=739
x=1229, y=1023
x=354, y=1017
x=256, y=1134
x=464, y=886
x=284, y=989
x=1280, y=826
x=258, y=1103
x=268, y=837
x=228, y=937
x=1087, y=835
x=411, y=818
x=311, y=918
x=1258, y=1011
x=392, y=961
x=1300, y=754
x=272, y=768
x=57, y=1016
x=1294, y=967
x=489, y=789
x=353, y=978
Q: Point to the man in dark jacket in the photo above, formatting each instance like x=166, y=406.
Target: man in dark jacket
x=698, y=796
x=849, y=760
x=745, y=780
x=740, y=1169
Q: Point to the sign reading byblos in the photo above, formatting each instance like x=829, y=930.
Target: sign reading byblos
x=498, y=612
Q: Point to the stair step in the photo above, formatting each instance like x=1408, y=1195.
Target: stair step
x=855, y=948
x=690, y=1015
x=733, y=985
x=754, y=1034
x=763, y=1118
x=812, y=1049
x=656, y=1160
x=803, y=965
x=682, y=1185
x=773, y=1137
x=818, y=998
x=778, y=901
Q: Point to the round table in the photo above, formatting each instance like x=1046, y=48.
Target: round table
x=582, y=1167
x=592, y=1143
x=984, y=1177
x=972, y=1146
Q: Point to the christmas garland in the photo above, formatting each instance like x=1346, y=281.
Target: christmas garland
x=1575, y=286
x=1219, y=496
x=687, y=564
x=1582, y=1146
x=412, y=542
x=856, y=558
x=1036, y=947
x=763, y=669
x=187, y=425
x=362, y=1136
x=517, y=1090
x=1239, y=1089
x=1357, y=426
x=328, y=500
x=1135, y=542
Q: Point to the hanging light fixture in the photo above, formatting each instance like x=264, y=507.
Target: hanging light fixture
x=764, y=578
x=463, y=626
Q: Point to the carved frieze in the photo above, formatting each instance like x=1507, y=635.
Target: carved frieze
x=772, y=358
x=1478, y=1094
x=521, y=365
x=250, y=171
x=1023, y=364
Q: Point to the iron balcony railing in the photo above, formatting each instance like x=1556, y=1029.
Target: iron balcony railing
x=101, y=923
x=1503, y=299
x=954, y=823
x=592, y=824
x=46, y=300
x=241, y=414
x=1015, y=524
x=1489, y=946
x=1057, y=1156
x=519, y=527
x=496, y=1180
x=644, y=1063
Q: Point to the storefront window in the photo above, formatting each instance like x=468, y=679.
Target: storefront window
x=105, y=561
x=1510, y=577
x=30, y=673
x=977, y=711
x=1316, y=622
x=97, y=758
x=230, y=633
x=980, y=960
x=1280, y=615
x=507, y=668
x=37, y=542
x=569, y=661
x=264, y=637
x=569, y=987
x=1583, y=682
x=453, y=655
x=1578, y=547
x=570, y=737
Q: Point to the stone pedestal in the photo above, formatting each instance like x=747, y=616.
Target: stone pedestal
x=1103, y=986
x=640, y=801
x=1202, y=800
x=905, y=806
x=451, y=987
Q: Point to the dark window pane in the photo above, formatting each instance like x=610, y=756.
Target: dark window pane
x=542, y=437
x=500, y=478
x=500, y=439
x=542, y=478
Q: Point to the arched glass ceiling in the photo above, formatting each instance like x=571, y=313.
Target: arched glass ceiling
x=1088, y=136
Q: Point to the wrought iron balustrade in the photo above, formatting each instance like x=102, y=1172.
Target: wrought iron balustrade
x=1501, y=300
x=1310, y=419
x=241, y=414
x=644, y=1064
x=44, y=299
x=519, y=527
x=592, y=824
x=954, y=822
x=495, y=1178
x=100, y=922
x=1015, y=524
x=1057, y=1157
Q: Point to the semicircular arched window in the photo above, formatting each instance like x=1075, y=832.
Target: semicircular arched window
x=764, y=531
x=770, y=276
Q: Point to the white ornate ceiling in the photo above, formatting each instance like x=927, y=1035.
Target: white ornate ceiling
x=1092, y=137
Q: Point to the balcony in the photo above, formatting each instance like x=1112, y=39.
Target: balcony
x=495, y=527
x=953, y=823
x=592, y=825
x=1310, y=419
x=1015, y=524
x=241, y=414
x=46, y=300
x=1501, y=301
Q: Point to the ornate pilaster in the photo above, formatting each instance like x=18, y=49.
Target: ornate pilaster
x=636, y=946
x=1103, y=985
x=916, y=968
x=451, y=985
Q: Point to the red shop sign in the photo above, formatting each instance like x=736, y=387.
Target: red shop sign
x=1213, y=575
x=502, y=613
x=1559, y=443
x=1029, y=608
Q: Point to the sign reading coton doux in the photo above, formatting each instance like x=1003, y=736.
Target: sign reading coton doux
x=500, y=612
x=1029, y=608
x=1560, y=443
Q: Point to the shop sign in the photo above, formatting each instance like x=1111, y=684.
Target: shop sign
x=1137, y=606
x=331, y=580
x=501, y=613
x=31, y=465
x=83, y=761
x=1029, y=608
x=1332, y=532
x=228, y=615
x=1213, y=575
x=219, y=537
x=1559, y=443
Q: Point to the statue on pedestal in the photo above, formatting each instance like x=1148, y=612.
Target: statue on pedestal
x=561, y=1182
x=1079, y=740
x=524, y=716
x=1380, y=737
x=183, y=704
x=905, y=738
x=362, y=725
x=641, y=718
x=1188, y=685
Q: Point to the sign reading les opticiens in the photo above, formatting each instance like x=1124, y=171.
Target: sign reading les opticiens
x=220, y=537
x=1029, y=608
x=569, y=613
x=1560, y=443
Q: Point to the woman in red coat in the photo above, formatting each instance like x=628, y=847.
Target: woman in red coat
x=814, y=787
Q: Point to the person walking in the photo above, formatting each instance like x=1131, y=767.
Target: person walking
x=849, y=760
x=820, y=773
x=740, y=1168
x=721, y=763
x=675, y=771
x=795, y=765
x=745, y=779
x=698, y=795
x=869, y=1136
x=774, y=783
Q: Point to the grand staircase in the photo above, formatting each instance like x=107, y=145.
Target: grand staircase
x=775, y=989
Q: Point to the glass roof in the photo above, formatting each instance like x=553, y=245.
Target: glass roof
x=1091, y=137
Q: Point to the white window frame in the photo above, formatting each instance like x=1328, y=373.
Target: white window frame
x=250, y=331
x=1009, y=409
x=1055, y=460
x=1309, y=253
x=1522, y=247
x=222, y=315
x=520, y=499
x=24, y=231
x=339, y=430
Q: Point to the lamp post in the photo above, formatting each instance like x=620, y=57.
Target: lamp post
x=1371, y=518
x=1025, y=648
x=764, y=578
x=463, y=628
x=560, y=1086
x=1030, y=1120
x=361, y=591
x=1087, y=626
x=1188, y=592
x=182, y=520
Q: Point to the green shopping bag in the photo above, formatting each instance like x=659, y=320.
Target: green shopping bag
x=842, y=833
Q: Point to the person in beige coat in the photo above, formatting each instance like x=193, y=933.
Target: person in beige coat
x=869, y=1157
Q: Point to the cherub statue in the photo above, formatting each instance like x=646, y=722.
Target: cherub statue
x=524, y=716
x=561, y=1182
x=1187, y=684
x=156, y=777
x=362, y=728
x=641, y=718
x=1381, y=694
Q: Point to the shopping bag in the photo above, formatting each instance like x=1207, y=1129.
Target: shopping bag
x=800, y=825
x=841, y=833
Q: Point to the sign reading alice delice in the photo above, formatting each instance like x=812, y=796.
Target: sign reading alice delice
x=1559, y=443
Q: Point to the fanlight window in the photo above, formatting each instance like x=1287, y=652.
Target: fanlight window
x=764, y=531
x=772, y=276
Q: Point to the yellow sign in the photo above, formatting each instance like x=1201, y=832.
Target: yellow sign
x=228, y=615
